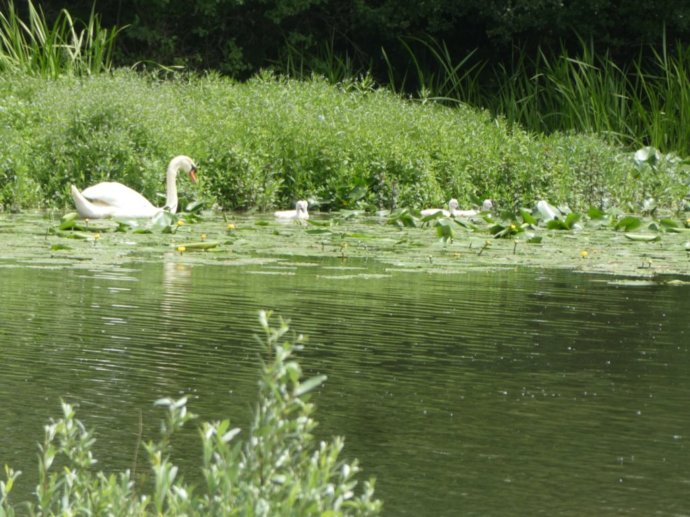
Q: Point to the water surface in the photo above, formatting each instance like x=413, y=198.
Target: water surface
x=499, y=392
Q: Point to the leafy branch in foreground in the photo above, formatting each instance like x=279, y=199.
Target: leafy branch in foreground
x=277, y=470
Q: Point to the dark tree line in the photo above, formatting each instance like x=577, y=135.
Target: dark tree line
x=238, y=37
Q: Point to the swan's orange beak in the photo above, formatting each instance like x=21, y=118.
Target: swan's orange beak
x=192, y=174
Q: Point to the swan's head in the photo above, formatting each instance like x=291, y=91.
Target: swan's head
x=453, y=204
x=301, y=206
x=185, y=164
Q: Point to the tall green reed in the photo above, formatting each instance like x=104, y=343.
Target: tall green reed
x=643, y=102
x=449, y=80
x=323, y=59
x=67, y=46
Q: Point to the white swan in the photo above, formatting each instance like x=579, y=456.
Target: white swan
x=112, y=199
x=453, y=205
x=454, y=209
x=487, y=206
x=300, y=212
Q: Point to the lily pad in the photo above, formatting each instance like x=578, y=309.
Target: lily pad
x=643, y=237
x=201, y=245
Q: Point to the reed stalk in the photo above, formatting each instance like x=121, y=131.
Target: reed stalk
x=645, y=102
x=36, y=46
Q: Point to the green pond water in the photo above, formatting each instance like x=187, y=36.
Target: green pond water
x=464, y=389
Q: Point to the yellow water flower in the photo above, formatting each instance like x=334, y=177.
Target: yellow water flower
x=203, y=236
x=513, y=228
x=96, y=236
x=181, y=249
x=231, y=226
x=584, y=254
x=180, y=222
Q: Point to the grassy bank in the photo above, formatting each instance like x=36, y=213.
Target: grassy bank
x=269, y=141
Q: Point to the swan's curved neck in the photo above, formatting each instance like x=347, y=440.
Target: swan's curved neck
x=171, y=188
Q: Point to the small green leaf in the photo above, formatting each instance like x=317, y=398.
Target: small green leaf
x=293, y=370
x=595, y=213
x=528, y=217
x=402, y=218
x=309, y=384
x=555, y=224
x=194, y=206
x=628, y=223
x=72, y=224
x=432, y=217
x=669, y=223
x=444, y=230
x=571, y=219
x=357, y=193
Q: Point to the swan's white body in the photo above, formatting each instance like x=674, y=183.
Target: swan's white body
x=454, y=209
x=453, y=206
x=111, y=199
x=300, y=212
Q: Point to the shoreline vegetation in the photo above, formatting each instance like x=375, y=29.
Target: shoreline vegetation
x=271, y=140
x=67, y=116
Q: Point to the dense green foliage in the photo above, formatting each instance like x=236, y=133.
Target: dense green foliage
x=271, y=141
x=240, y=37
x=278, y=469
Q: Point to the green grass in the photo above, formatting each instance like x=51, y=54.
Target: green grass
x=272, y=140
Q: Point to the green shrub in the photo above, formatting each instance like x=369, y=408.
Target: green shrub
x=240, y=179
x=278, y=469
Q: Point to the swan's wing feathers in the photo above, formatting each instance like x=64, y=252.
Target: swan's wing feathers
x=116, y=195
